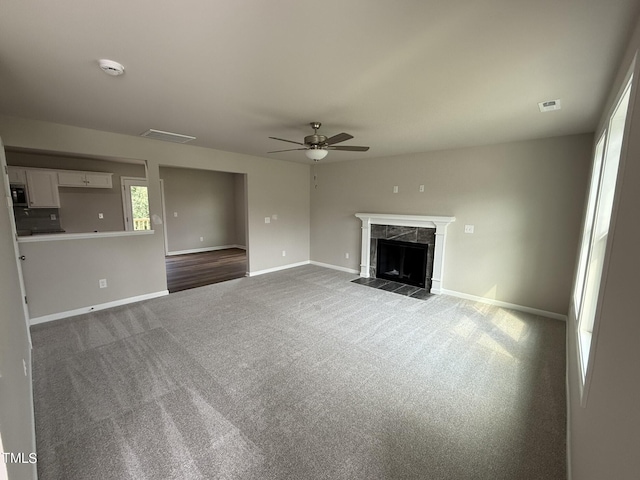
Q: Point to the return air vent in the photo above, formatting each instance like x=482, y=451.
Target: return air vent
x=549, y=106
x=167, y=136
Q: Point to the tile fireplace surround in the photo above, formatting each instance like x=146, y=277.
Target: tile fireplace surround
x=440, y=224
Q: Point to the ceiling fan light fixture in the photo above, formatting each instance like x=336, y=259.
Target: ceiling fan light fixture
x=316, y=154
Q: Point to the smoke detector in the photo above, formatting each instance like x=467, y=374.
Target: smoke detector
x=110, y=67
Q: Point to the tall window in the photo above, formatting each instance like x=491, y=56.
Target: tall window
x=596, y=226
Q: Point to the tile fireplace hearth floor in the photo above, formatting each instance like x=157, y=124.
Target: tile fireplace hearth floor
x=395, y=287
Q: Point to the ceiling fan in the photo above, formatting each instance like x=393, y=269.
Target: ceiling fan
x=317, y=146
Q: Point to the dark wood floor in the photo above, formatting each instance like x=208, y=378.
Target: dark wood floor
x=198, y=269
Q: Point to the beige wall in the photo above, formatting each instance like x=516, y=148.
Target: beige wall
x=605, y=432
x=205, y=203
x=64, y=275
x=79, y=207
x=273, y=187
x=16, y=407
x=525, y=200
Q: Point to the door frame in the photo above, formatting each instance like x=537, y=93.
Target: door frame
x=127, y=209
x=164, y=219
x=14, y=234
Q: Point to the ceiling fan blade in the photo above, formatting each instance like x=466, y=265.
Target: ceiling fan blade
x=349, y=148
x=283, y=140
x=288, y=150
x=341, y=137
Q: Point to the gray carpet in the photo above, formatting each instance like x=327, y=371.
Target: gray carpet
x=300, y=374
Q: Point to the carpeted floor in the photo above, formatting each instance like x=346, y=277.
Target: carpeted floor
x=300, y=374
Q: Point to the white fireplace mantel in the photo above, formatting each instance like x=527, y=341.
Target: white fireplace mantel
x=440, y=223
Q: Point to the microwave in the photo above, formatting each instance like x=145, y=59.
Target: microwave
x=19, y=195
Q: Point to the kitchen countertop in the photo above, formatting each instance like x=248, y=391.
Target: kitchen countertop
x=47, y=237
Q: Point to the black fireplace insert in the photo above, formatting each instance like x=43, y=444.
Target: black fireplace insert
x=402, y=262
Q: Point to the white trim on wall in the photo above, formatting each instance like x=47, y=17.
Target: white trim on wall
x=466, y=296
x=205, y=249
x=513, y=306
x=277, y=269
x=164, y=218
x=335, y=267
x=95, y=308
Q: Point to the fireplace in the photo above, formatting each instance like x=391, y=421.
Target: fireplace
x=417, y=229
x=402, y=262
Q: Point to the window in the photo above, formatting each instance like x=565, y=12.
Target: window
x=135, y=201
x=596, y=226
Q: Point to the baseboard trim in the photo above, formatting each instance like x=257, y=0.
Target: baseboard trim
x=95, y=308
x=277, y=269
x=513, y=306
x=335, y=267
x=205, y=249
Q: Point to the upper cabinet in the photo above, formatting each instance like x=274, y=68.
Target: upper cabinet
x=85, y=179
x=17, y=175
x=42, y=186
x=42, y=183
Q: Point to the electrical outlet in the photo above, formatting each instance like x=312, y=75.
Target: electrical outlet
x=175, y=214
x=53, y=216
x=202, y=239
x=101, y=216
x=421, y=188
x=102, y=282
x=346, y=255
x=274, y=216
x=469, y=228
x=395, y=189
x=284, y=253
x=267, y=219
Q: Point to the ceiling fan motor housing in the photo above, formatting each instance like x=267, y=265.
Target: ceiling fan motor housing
x=315, y=139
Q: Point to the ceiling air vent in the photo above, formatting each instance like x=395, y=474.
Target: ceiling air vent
x=167, y=136
x=549, y=106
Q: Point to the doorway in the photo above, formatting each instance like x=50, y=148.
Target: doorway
x=205, y=223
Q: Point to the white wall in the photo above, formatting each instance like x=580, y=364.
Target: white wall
x=525, y=200
x=605, y=432
x=273, y=187
x=64, y=275
x=205, y=204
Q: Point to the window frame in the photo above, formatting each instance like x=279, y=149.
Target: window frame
x=586, y=342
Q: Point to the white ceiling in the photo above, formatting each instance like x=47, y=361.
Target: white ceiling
x=400, y=76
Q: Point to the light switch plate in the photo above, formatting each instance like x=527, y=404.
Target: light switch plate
x=469, y=228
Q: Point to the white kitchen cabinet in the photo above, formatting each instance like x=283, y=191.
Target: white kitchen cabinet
x=17, y=175
x=99, y=180
x=42, y=187
x=71, y=179
x=85, y=179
